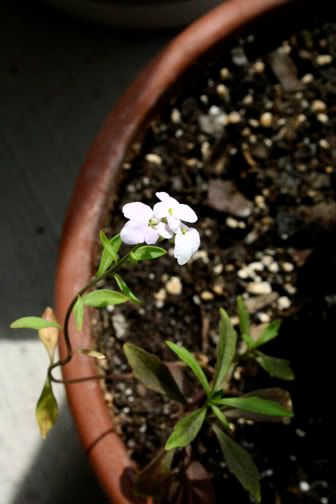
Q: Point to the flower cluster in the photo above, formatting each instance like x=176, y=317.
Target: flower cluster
x=165, y=220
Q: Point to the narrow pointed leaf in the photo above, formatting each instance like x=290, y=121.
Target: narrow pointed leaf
x=46, y=410
x=257, y=405
x=278, y=368
x=147, y=253
x=33, y=323
x=103, y=298
x=125, y=289
x=152, y=479
x=226, y=350
x=239, y=463
x=110, y=252
x=244, y=322
x=49, y=335
x=152, y=372
x=92, y=353
x=188, y=358
x=220, y=415
x=186, y=429
x=78, y=312
x=270, y=332
x=276, y=394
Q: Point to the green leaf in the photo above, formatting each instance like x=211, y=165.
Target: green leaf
x=277, y=395
x=110, y=252
x=226, y=349
x=220, y=415
x=103, y=298
x=125, y=289
x=244, y=322
x=153, y=373
x=147, y=253
x=187, y=357
x=239, y=463
x=92, y=353
x=78, y=311
x=270, y=332
x=186, y=429
x=46, y=411
x=33, y=323
x=152, y=480
x=279, y=368
x=256, y=405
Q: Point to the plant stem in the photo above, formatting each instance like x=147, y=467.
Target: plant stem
x=69, y=349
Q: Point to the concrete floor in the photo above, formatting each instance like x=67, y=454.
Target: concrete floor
x=59, y=78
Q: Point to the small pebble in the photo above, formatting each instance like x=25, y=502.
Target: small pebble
x=287, y=267
x=154, y=159
x=259, y=288
x=301, y=433
x=174, y=286
x=324, y=59
x=318, y=106
x=264, y=318
x=161, y=295
x=323, y=118
x=267, y=260
x=222, y=91
x=218, y=288
x=234, y=117
x=202, y=255
x=196, y=300
x=259, y=66
x=248, y=99
x=224, y=73
x=175, y=116
x=304, y=486
x=266, y=119
x=324, y=144
x=207, y=296
x=273, y=267
x=218, y=269
x=307, y=78
x=283, y=303
x=232, y=223
x=290, y=288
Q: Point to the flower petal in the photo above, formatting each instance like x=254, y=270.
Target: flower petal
x=151, y=235
x=171, y=203
x=160, y=210
x=162, y=196
x=186, y=245
x=133, y=232
x=185, y=213
x=137, y=211
x=164, y=230
x=174, y=224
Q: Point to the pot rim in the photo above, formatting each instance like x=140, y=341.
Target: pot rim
x=97, y=179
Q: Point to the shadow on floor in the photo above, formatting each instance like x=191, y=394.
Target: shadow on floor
x=60, y=472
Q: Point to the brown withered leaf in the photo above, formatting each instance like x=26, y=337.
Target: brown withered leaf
x=49, y=335
x=224, y=197
x=285, y=70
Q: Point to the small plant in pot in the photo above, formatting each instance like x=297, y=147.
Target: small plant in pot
x=246, y=140
x=209, y=407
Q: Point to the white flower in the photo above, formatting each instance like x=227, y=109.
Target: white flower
x=187, y=242
x=142, y=226
x=173, y=211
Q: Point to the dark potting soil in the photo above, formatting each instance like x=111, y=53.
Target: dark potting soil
x=249, y=141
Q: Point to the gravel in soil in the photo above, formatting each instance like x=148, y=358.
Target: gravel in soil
x=248, y=140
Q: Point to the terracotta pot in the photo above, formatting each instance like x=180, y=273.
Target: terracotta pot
x=98, y=177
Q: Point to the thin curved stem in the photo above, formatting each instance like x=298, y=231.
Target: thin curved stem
x=69, y=349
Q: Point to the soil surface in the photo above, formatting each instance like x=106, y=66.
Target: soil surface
x=249, y=141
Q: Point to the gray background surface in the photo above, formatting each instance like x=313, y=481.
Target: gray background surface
x=59, y=79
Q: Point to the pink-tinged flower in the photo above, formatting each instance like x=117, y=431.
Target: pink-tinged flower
x=173, y=211
x=143, y=226
x=187, y=242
